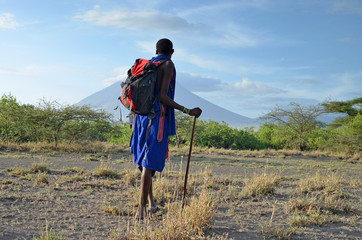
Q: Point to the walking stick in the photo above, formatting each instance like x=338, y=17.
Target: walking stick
x=188, y=164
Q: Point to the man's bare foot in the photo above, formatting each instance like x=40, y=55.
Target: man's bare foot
x=141, y=213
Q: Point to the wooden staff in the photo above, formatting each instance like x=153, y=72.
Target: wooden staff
x=188, y=164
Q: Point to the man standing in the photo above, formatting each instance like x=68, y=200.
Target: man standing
x=150, y=156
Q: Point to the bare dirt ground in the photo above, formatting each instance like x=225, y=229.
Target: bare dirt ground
x=70, y=198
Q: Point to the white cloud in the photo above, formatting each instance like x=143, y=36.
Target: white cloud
x=338, y=86
x=28, y=70
x=143, y=21
x=233, y=35
x=237, y=39
x=9, y=70
x=221, y=65
x=247, y=87
x=7, y=21
x=207, y=9
x=302, y=80
x=199, y=61
x=149, y=47
x=346, y=7
x=41, y=70
x=346, y=83
x=347, y=40
x=227, y=35
x=119, y=74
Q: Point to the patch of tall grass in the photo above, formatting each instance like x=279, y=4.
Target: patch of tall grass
x=177, y=223
x=47, y=235
x=105, y=170
x=270, y=230
x=318, y=182
x=39, y=167
x=41, y=178
x=17, y=172
x=129, y=177
x=259, y=185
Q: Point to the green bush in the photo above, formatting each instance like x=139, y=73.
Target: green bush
x=214, y=134
x=51, y=122
x=294, y=128
x=120, y=134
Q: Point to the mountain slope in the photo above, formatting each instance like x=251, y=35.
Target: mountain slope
x=107, y=99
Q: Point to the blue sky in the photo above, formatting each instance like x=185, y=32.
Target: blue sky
x=245, y=56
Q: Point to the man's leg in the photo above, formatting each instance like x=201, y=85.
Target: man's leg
x=146, y=184
x=152, y=205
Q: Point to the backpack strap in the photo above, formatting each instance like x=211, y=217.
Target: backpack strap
x=150, y=117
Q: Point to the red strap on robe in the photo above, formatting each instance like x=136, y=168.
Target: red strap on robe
x=161, y=123
x=167, y=151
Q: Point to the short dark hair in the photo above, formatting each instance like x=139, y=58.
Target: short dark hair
x=164, y=46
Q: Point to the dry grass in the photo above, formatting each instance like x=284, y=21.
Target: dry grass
x=105, y=170
x=280, y=232
x=74, y=170
x=319, y=182
x=6, y=182
x=97, y=147
x=176, y=223
x=47, y=235
x=173, y=223
x=302, y=200
x=129, y=177
x=65, y=146
x=259, y=185
x=167, y=189
x=312, y=216
x=335, y=203
x=111, y=209
x=17, y=172
x=39, y=167
x=114, y=210
x=70, y=179
x=328, y=192
x=268, y=230
x=353, y=157
x=322, y=197
x=41, y=178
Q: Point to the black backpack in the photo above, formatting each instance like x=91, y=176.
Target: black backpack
x=138, y=90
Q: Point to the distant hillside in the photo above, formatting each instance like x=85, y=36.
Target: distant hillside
x=107, y=99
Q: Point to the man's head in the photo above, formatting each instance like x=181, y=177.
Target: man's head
x=164, y=46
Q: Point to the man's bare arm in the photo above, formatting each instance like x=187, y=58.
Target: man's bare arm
x=165, y=72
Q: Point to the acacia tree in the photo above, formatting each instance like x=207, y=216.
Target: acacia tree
x=297, y=119
x=346, y=131
x=350, y=108
x=66, y=122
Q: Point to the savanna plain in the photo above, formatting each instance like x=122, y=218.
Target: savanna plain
x=265, y=194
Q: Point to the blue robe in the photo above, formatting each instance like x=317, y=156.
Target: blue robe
x=155, y=151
